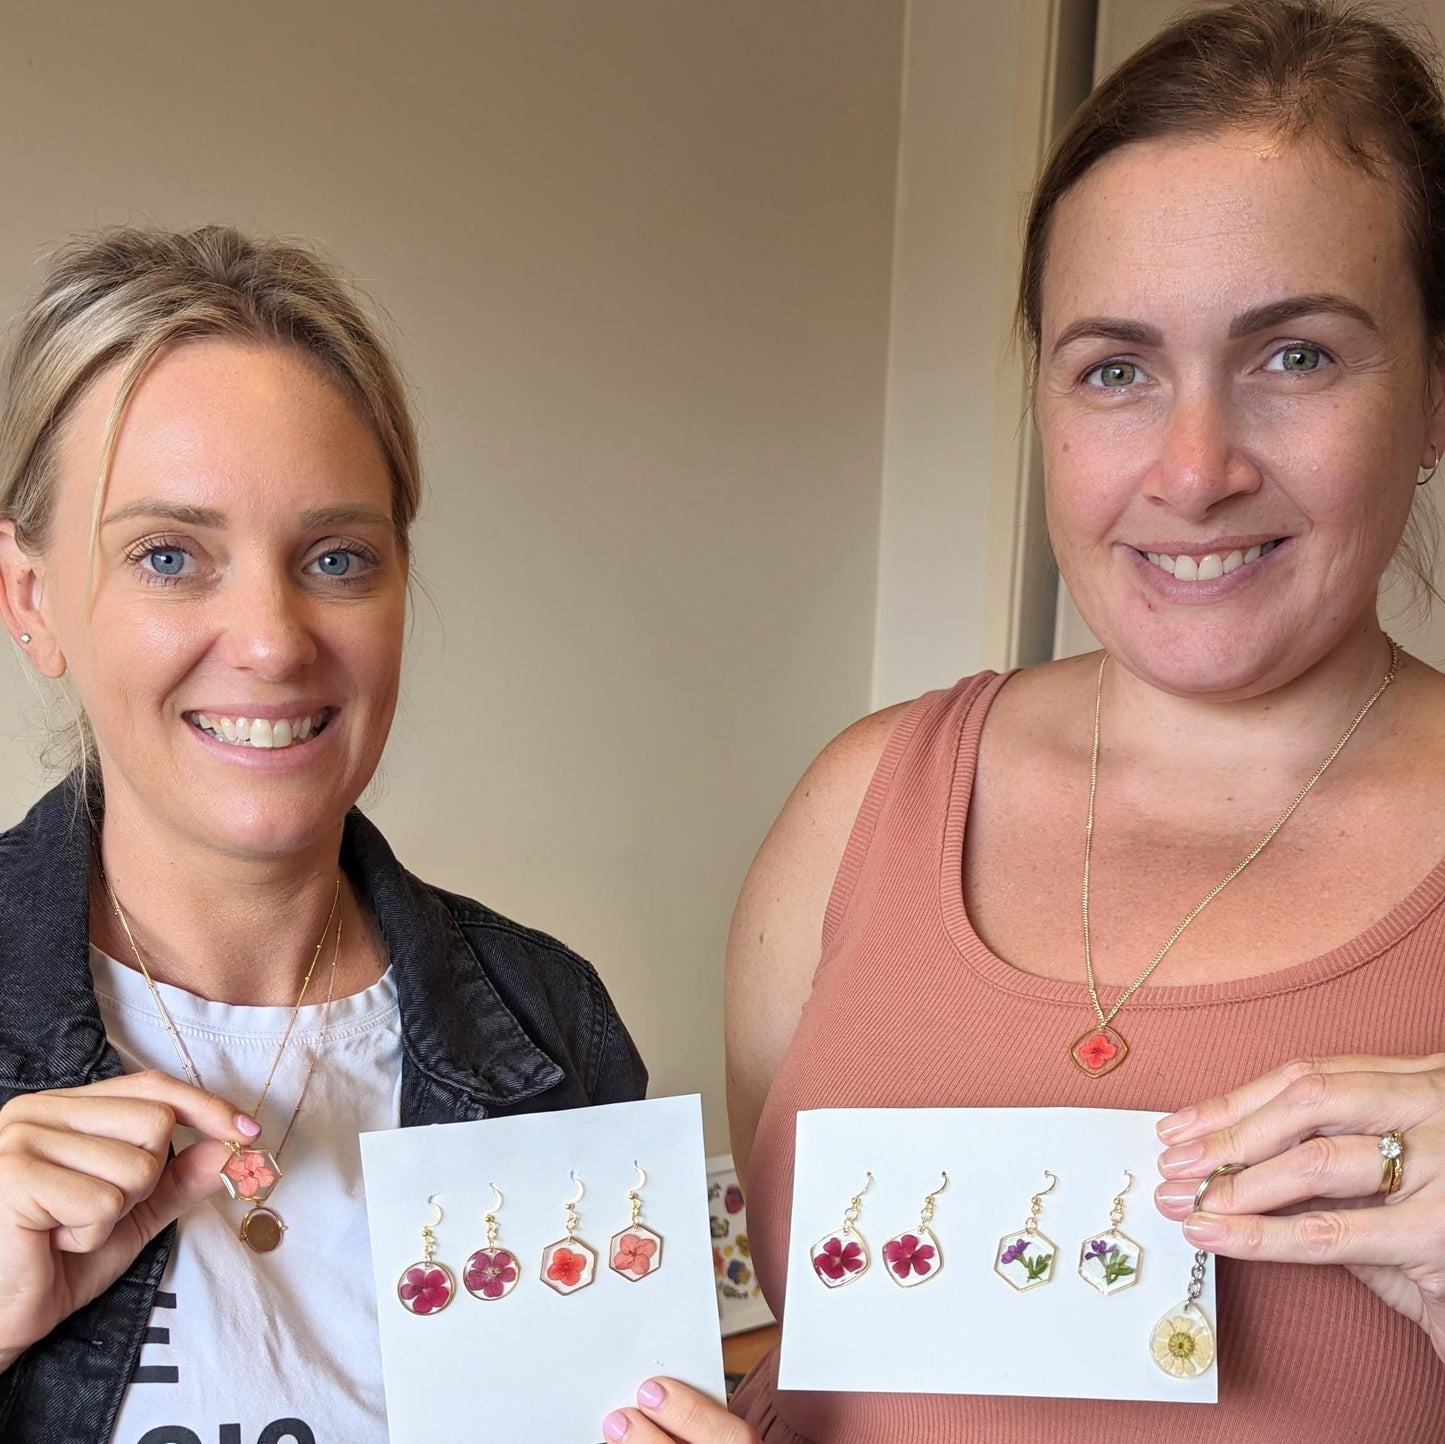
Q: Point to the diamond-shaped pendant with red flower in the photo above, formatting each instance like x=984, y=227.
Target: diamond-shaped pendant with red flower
x=912, y=1258
x=568, y=1265
x=839, y=1258
x=635, y=1253
x=1098, y=1051
x=250, y=1174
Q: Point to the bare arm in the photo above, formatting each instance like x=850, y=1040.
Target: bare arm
x=777, y=927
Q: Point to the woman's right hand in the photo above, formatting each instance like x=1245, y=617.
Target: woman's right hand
x=86, y=1183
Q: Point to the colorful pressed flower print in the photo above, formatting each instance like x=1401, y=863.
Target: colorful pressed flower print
x=490, y=1275
x=837, y=1261
x=425, y=1288
x=733, y=1199
x=909, y=1254
x=739, y=1272
x=1182, y=1344
x=252, y=1172
x=633, y=1254
x=566, y=1267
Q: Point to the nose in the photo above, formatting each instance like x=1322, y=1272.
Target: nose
x=268, y=629
x=1200, y=460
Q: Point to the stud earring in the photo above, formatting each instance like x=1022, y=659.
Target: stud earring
x=842, y=1256
x=1182, y=1343
x=25, y=639
x=1025, y=1258
x=637, y=1250
x=915, y=1257
x=569, y=1264
x=427, y=1287
x=491, y=1272
x=1109, y=1261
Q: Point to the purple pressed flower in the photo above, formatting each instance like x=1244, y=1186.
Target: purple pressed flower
x=1014, y=1252
x=1101, y=1250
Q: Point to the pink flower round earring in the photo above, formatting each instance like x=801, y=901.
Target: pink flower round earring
x=491, y=1272
x=427, y=1287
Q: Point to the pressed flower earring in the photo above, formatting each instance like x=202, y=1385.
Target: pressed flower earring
x=569, y=1264
x=427, y=1287
x=915, y=1257
x=637, y=1250
x=491, y=1272
x=1182, y=1343
x=1109, y=1261
x=842, y=1256
x=1024, y=1258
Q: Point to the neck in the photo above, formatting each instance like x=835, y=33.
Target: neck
x=1280, y=726
x=229, y=930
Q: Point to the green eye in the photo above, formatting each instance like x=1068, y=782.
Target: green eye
x=1116, y=374
x=1300, y=358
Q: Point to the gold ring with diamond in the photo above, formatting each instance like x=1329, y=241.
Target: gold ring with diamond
x=1392, y=1151
x=1218, y=1172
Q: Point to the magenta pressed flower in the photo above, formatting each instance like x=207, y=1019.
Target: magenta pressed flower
x=836, y=1259
x=425, y=1288
x=490, y=1275
x=1014, y=1251
x=909, y=1254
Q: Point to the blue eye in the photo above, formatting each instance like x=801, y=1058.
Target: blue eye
x=334, y=564
x=166, y=561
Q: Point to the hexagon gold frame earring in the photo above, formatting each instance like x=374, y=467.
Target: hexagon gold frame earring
x=635, y=1252
x=1025, y=1258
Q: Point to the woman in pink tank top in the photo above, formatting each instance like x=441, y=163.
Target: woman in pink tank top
x=1234, y=298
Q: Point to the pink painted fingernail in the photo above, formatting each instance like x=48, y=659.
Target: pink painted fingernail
x=1177, y=1123
x=1204, y=1228
x=1186, y=1155
x=616, y=1425
x=651, y=1395
x=247, y=1125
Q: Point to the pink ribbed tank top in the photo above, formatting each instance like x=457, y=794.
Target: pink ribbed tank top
x=1308, y=1354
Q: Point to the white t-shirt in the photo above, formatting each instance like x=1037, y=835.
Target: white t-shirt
x=277, y=1348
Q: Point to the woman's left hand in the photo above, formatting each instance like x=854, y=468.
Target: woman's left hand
x=1309, y=1134
x=671, y=1413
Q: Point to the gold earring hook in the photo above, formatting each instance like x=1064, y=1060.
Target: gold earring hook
x=581, y=1191
x=1053, y=1181
x=432, y=1199
x=497, y=1206
x=641, y=1177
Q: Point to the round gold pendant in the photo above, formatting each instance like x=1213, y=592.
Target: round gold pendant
x=261, y=1230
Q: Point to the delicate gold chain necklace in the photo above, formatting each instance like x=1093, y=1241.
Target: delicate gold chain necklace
x=1101, y=1049
x=251, y=1173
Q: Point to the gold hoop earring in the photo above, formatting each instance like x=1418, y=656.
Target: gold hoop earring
x=1432, y=469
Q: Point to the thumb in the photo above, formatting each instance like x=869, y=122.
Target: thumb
x=189, y=1178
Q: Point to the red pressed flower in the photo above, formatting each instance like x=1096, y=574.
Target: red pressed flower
x=909, y=1254
x=1096, y=1051
x=248, y=1171
x=566, y=1267
x=424, y=1290
x=634, y=1255
x=836, y=1259
x=488, y=1274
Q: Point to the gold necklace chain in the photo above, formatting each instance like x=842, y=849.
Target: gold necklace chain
x=1109, y=1048
x=252, y=1172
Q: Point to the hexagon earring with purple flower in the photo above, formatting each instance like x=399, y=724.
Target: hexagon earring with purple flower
x=636, y=1252
x=842, y=1256
x=1109, y=1260
x=427, y=1287
x=1024, y=1258
x=915, y=1257
x=491, y=1272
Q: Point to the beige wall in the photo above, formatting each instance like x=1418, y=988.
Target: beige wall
x=639, y=257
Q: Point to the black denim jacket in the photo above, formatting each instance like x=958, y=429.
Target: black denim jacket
x=495, y=1019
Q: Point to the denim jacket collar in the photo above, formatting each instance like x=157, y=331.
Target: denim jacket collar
x=463, y=1050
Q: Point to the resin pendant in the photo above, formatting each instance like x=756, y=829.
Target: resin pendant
x=912, y=1258
x=1099, y=1051
x=250, y=1174
x=840, y=1257
x=491, y=1273
x=426, y=1288
x=1109, y=1261
x=568, y=1265
x=1182, y=1343
x=1025, y=1260
x=635, y=1252
x=261, y=1230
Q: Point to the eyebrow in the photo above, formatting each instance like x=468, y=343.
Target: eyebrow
x=205, y=516
x=1247, y=323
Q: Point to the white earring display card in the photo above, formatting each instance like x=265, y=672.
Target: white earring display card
x=540, y=1333
x=988, y=1294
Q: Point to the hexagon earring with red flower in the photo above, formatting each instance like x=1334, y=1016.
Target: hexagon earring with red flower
x=427, y=1287
x=491, y=1272
x=842, y=1256
x=569, y=1264
x=636, y=1252
x=914, y=1257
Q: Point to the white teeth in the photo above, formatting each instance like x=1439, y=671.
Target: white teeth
x=1233, y=562
x=1252, y=555
x=1186, y=569
x=243, y=730
x=281, y=733
x=1213, y=564
x=228, y=730
x=303, y=730
x=1153, y=557
x=261, y=734
x=1210, y=567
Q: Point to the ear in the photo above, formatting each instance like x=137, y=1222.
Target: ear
x=1434, y=447
x=22, y=578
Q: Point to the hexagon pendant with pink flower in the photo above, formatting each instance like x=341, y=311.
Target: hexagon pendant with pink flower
x=250, y=1174
x=635, y=1253
x=839, y=1258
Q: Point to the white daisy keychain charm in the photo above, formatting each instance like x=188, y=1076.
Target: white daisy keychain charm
x=1182, y=1343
